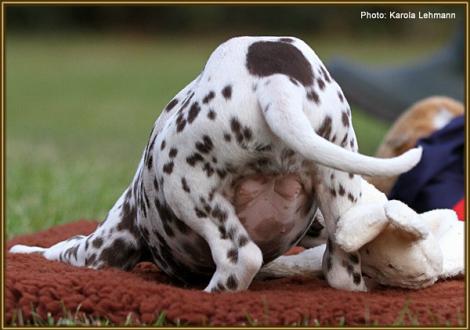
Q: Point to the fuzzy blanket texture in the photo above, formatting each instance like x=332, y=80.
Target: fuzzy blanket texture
x=42, y=286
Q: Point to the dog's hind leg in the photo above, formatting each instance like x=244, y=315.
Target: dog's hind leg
x=116, y=242
x=206, y=211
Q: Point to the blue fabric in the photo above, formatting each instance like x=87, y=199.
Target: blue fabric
x=438, y=179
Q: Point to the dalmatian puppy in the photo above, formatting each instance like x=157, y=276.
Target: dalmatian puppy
x=261, y=106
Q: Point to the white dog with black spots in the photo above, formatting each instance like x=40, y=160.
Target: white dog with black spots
x=261, y=105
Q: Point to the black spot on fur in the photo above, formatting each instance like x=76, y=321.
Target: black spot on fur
x=208, y=169
x=219, y=214
x=289, y=40
x=119, y=254
x=90, y=260
x=194, y=158
x=242, y=241
x=211, y=194
x=351, y=143
x=326, y=75
x=180, y=123
x=146, y=199
x=227, y=137
x=211, y=115
x=235, y=125
x=340, y=96
x=356, y=278
x=237, y=130
x=171, y=105
x=351, y=176
x=313, y=96
x=247, y=133
x=344, y=141
x=351, y=197
x=150, y=162
x=232, y=255
x=205, y=146
x=223, y=232
x=193, y=112
x=128, y=216
x=341, y=190
x=152, y=143
x=186, y=102
x=208, y=97
x=185, y=186
x=325, y=128
x=168, y=167
x=345, y=119
x=173, y=152
x=321, y=83
x=200, y=213
x=162, y=146
x=97, y=242
x=231, y=233
x=71, y=252
x=227, y=92
x=232, y=282
x=354, y=258
x=221, y=173
x=266, y=58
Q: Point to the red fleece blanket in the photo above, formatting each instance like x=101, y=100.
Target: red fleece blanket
x=42, y=286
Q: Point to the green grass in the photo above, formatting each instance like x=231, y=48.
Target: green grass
x=79, y=109
x=405, y=317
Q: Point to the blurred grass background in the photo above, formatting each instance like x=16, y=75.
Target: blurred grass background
x=80, y=103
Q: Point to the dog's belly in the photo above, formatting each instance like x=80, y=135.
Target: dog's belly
x=274, y=209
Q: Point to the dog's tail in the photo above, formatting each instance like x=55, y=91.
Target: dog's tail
x=282, y=105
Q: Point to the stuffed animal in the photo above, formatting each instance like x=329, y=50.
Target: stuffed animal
x=419, y=121
x=398, y=247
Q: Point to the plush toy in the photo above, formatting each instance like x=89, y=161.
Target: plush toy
x=417, y=122
x=398, y=247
